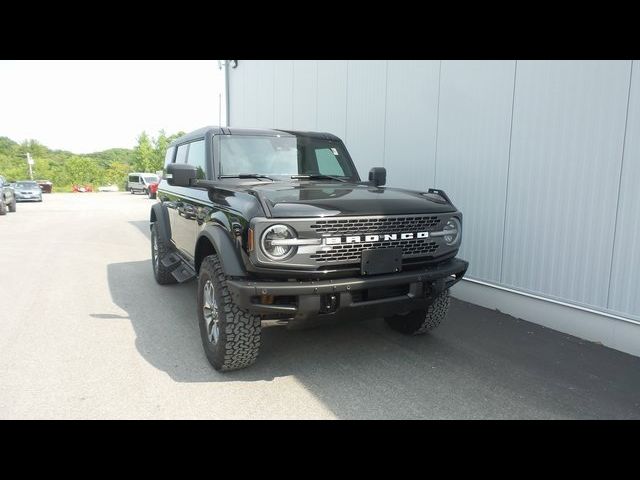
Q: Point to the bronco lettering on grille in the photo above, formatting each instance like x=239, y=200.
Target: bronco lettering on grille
x=374, y=238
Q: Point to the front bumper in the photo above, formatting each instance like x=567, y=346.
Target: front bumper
x=379, y=295
x=29, y=198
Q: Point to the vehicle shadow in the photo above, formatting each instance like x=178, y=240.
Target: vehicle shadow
x=478, y=364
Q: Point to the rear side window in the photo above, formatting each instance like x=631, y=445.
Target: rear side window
x=168, y=157
x=134, y=178
x=197, y=158
x=181, y=155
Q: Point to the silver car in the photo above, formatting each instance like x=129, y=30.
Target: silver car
x=27, y=191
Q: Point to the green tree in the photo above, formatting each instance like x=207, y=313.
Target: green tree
x=144, y=154
x=82, y=170
x=116, y=173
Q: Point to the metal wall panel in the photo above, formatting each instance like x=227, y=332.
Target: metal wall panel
x=566, y=153
x=332, y=97
x=264, y=102
x=283, y=94
x=624, y=291
x=252, y=74
x=305, y=94
x=366, y=92
x=473, y=154
x=411, y=123
x=236, y=95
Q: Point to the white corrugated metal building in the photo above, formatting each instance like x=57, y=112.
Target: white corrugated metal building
x=542, y=158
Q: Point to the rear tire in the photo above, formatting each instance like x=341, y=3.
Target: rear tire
x=230, y=335
x=422, y=321
x=3, y=206
x=159, y=248
x=152, y=195
x=131, y=190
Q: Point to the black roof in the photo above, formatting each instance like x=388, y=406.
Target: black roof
x=250, y=131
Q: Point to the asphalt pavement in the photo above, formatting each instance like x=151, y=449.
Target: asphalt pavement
x=85, y=332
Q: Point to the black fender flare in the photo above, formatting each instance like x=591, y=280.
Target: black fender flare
x=225, y=248
x=160, y=216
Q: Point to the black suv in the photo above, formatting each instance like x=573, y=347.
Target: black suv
x=277, y=226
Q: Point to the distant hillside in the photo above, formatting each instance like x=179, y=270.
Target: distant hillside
x=65, y=169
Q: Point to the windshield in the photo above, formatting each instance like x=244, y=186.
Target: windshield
x=27, y=185
x=150, y=179
x=285, y=156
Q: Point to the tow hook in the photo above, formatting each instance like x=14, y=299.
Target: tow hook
x=328, y=303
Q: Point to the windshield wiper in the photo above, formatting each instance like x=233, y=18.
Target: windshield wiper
x=247, y=175
x=320, y=177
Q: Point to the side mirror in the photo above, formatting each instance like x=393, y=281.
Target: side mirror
x=181, y=174
x=378, y=176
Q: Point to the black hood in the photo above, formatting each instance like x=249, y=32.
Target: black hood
x=311, y=199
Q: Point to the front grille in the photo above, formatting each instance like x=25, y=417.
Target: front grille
x=351, y=252
x=357, y=226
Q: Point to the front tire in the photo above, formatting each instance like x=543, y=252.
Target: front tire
x=422, y=321
x=230, y=335
x=159, y=248
x=13, y=205
x=3, y=206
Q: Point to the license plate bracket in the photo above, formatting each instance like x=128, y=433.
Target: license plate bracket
x=380, y=261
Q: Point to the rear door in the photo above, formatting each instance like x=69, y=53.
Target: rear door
x=193, y=199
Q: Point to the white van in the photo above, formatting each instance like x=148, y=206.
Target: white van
x=139, y=182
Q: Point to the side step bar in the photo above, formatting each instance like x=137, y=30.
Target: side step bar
x=182, y=272
x=171, y=260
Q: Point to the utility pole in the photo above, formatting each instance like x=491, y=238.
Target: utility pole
x=30, y=163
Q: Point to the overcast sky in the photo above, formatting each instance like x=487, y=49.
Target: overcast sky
x=88, y=106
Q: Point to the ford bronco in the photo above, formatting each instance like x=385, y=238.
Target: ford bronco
x=277, y=226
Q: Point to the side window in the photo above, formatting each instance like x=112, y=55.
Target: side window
x=181, y=155
x=134, y=179
x=328, y=163
x=168, y=157
x=197, y=158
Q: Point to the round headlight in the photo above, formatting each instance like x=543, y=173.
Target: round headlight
x=452, y=229
x=270, y=242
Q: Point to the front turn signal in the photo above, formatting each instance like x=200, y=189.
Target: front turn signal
x=250, y=240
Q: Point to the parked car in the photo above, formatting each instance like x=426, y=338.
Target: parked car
x=139, y=182
x=82, y=188
x=7, y=197
x=28, y=191
x=278, y=226
x=45, y=185
x=109, y=188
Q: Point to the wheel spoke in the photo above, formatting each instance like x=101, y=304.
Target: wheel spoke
x=210, y=312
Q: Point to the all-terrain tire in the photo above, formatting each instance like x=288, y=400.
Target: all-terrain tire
x=13, y=204
x=159, y=248
x=238, y=341
x=422, y=321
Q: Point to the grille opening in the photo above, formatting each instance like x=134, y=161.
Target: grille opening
x=379, y=293
x=352, y=252
x=355, y=226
